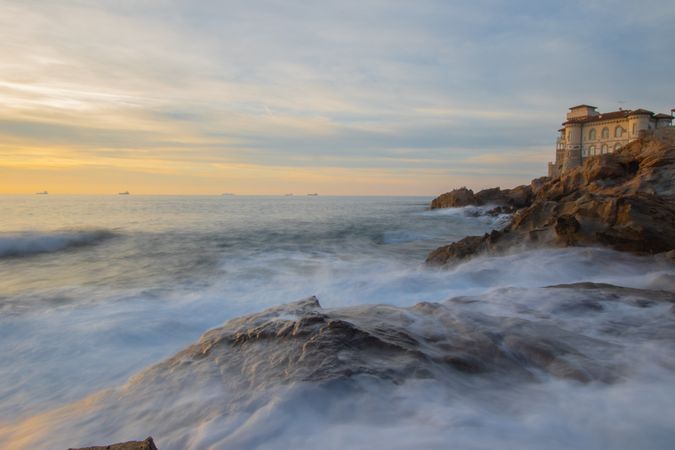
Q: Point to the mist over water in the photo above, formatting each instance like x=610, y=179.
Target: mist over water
x=94, y=290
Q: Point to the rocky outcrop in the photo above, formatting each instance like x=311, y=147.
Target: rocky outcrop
x=624, y=200
x=515, y=198
x=147, y=444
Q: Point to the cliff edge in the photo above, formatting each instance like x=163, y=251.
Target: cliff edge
x=623, y=200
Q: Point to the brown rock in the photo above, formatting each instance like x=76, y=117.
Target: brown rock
x=464, y=248
x=494, y=196
x=147, y=444
x=566, y=228
x=456, y=198
x=518, y=197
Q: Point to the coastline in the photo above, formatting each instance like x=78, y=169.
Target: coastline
x=623, y=200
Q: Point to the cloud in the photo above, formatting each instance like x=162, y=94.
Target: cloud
x=324, y=85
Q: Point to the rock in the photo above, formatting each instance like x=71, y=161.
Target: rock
x=456, y=251
x=518, y=197
x=624, y=200
x=493, y=196
x=537, y=184
x=464, y=248
x=566, y=228
x=499, y=210
x=147, y=444
x=456, y=198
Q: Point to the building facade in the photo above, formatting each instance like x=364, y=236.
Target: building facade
x=587, y=133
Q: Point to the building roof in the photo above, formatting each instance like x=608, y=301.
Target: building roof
x=583, y=106
x=635, y=112
x=662, y=116
x=600, y=117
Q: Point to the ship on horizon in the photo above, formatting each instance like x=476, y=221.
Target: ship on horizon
x=123, y=193
x=42, y=193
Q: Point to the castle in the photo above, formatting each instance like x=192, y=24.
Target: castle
x=587, y=133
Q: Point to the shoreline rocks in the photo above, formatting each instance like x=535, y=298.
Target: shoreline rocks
x=623, y=200
x=516, y=198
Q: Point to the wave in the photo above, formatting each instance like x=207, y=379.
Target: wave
x=13, y=245
x=559, y=367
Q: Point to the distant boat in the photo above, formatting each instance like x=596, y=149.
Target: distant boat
x=227, y=193
x=313, y=195
x=123, y=193
x=42, y=193
x=288, y=195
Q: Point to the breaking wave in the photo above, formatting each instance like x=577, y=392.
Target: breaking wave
x=33, y=243
x=573, y=366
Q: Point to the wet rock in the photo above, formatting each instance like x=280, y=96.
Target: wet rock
x=147, y=444
x=566, y=228
x=499, y=210
x=515, y=198
x=464, y=248
x=456, y=198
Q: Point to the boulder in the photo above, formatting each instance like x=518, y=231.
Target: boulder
x=456, y=198
x=518, y=197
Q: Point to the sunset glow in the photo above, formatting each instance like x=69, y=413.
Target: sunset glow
x=365, y=98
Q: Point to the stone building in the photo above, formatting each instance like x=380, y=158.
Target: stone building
x=587, y=133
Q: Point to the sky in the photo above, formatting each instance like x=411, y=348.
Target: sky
x=364, y=97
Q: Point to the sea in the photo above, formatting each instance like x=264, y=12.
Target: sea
x=94, y=290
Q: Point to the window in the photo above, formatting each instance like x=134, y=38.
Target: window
x=605, y=133
x=617, y=146
x=591, y=150
x=591, y=134
x=618, y=131
x=634, y=128
x=604, y=148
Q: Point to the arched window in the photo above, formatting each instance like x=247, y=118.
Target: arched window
x=618, y=131
x=591, y=150
x=603, y=149
x=617, y=146
x=605, y=133
x=591, y=134
x=634, y=128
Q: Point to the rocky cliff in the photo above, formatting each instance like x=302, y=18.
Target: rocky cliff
x=624, y=200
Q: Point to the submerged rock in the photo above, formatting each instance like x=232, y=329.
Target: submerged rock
x=623, y=200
